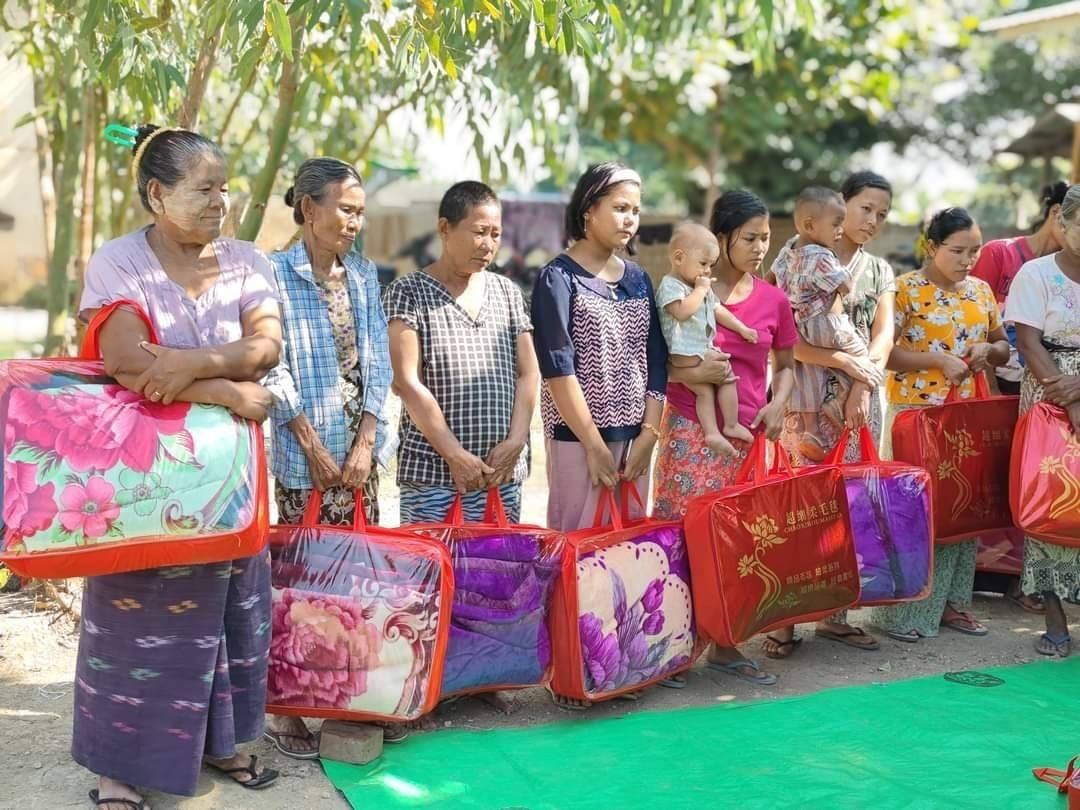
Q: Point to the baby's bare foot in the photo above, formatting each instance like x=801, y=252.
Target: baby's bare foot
x=719, y=445
x=738, y=433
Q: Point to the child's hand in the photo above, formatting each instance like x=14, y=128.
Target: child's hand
x=748, y=334
x=703, y=282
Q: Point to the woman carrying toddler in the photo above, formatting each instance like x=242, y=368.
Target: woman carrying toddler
x=689, y=314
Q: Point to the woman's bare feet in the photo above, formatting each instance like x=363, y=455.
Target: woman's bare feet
x=111, y=789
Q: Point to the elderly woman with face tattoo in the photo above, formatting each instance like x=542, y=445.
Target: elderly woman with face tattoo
x=171, y=671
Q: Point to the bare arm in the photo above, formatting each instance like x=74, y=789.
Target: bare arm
x=1036, y=357
x=726, y=318
x=883, y=330
x=504, y=456
x=771, y=417
x=685, y=308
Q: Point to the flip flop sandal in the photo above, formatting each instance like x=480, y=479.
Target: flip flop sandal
x=966, y=625
x=1035, y=606
x=736, y=668
x=846, y=638
x=910, y=637
x=394, y=733
x=258, y=781
x=778, y=654
x=275, y=738
x=1060, y=647
x=134, y=805
x=631, y=696
x=561, y=703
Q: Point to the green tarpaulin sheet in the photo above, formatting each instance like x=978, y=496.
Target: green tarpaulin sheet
x=926, y=743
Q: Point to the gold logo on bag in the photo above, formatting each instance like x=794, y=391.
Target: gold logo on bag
x=766, y=535
x=962, y=447
x=1069, y=499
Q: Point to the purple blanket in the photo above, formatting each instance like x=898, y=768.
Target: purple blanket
x=498, y=627
x=890, y=521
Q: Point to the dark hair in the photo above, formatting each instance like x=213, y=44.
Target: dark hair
x=1052, y=194
x=461, y=198
x=817, y=195
x=168, y=156
x=592, y=186
x=731, y=211
x=858, y=182
x=946, y=222
x=313, y=177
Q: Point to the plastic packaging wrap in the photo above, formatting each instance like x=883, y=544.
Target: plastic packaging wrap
x=622, y=615
x=1044, y=489
x=503, y=579
x=965, y=446
x=99, y=480
x=360, y=620
x=772, y=550
x=889, y=504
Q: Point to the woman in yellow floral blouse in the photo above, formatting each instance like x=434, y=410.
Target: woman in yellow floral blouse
x=948, y=327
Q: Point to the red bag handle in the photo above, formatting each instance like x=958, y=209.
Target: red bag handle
x=982, y=389
x=606, y=506
x=494, y=511
x=1059, y=779
x=91, y=345
x=867, y=447
x=756, y=467
x=314, y=506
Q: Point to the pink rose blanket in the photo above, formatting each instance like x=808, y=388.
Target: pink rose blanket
x=99, y=480
x=360, y=622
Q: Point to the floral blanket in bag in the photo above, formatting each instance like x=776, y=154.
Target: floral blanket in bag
x=359, y=624
x=623, y=615
x=87, y=462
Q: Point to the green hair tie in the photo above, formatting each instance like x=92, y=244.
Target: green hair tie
x=120, y=135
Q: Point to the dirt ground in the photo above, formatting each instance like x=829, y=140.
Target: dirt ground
x=37, y=658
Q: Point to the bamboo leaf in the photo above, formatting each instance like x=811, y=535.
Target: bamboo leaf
x=491, y=9
x=277, y=22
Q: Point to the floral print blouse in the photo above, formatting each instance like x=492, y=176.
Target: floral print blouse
x=932, y=319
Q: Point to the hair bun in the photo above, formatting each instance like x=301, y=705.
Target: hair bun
x=141, y=134
x=290, y=196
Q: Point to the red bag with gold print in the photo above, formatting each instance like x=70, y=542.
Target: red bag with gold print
x=1044, y=477
x=771, y=550
x=965, y=445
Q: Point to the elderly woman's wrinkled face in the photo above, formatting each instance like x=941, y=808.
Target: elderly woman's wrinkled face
x=1070, y=235
x=337, y=219
x=196, y=206
x=470, y=245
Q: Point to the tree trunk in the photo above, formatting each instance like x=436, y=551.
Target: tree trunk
x=58, y=296
x=87, y=208
x=188, y=118
x=279, y=134
x=712, y=168
x=245, y=88
x=45, y=169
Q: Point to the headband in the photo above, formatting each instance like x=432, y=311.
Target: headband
x=146, y=143
x=621, y=176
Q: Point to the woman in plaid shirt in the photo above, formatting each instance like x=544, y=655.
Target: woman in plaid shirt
x=464, y=365
x=334, y=374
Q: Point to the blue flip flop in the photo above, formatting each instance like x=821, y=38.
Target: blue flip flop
x=737, y=668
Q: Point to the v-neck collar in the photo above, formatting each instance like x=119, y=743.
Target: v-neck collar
x=449, y=296
x=596, y=284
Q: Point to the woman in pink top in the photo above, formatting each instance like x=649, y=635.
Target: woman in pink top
x=172, y=662
x=685, y=466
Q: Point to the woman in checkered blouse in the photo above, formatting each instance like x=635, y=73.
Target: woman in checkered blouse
x=464, y=366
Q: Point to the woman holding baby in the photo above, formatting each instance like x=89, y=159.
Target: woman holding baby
x=869, y=305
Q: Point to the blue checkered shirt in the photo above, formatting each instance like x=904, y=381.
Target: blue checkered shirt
x=307, y=378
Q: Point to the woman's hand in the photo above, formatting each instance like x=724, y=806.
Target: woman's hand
x=325, y=472
x=772, y=417
x=358, y=465
x=503, y=458
x=978, y=358
x=857, y=408
x=863, y=370
x=248, y=400
x=602, y=469
x=639, y=458
x=954, y=369
x=468, y=471
x=171, y=372
x=1062, y=389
